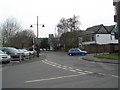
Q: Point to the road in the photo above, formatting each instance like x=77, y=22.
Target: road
x=58, y=70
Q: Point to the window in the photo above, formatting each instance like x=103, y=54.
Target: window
x=93, y=38
x=97, y=35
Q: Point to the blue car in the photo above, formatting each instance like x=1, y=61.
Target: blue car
x=75, y=51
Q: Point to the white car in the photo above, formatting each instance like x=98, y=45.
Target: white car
x=26, y=53
x=4, y=58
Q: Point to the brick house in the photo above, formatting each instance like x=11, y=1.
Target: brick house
x=99, y=39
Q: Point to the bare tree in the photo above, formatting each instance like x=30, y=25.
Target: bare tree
x=62, y=26
x=9, y=28
x=68, y=30
x=0, y=37
x=68, y=25
x=73, y=23
x=22, y=39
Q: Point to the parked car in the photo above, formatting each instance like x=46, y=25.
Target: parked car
x=4, y=58
x=27, y=54
x=33, y=52
x=75, y=51
x=13, y=52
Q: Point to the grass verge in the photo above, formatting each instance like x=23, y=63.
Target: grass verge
x=113, y=56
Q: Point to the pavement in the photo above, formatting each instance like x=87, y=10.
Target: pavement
x=101, y=60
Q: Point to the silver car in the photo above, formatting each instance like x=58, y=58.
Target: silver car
x=4, y=58
x=14, y=53
x=25, y=52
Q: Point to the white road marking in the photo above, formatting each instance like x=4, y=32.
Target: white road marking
x=39, y=80
x=78, y=69
x=54, y=65
x=65, y=68
x=81, y=73
x=59, y=67
x=102, y=73
x=72, y=69
x=88, y=72
x=49, y=63
x=115, y=76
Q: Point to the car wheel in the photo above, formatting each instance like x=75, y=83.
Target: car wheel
x=7, y=61
x=3, y=62
x=71, y=54
x=82, y=54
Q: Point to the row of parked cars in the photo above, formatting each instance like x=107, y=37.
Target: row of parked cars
x=8, y=54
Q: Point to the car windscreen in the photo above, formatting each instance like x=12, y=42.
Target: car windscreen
x=72, y=50
x=13, y=50
x=1, y=52
x=24, y=50
x=21, y=50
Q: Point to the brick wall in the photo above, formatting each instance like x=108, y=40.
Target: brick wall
x=101, y=48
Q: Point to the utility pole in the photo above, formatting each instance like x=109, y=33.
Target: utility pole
x=37, y=44
x=38, y=49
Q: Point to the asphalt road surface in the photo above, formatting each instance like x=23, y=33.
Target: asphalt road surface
x=58, y=70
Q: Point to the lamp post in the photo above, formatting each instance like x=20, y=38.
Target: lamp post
x=37, y=45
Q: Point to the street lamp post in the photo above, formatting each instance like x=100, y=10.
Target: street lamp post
x=37, y=45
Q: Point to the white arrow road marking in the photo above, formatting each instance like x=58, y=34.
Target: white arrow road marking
x=39, y=80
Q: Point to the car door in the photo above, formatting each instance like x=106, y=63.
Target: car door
x=77, y=51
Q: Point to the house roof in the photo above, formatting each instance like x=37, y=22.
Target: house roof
x=94, y=29
x=110, y=28
x=100, y=29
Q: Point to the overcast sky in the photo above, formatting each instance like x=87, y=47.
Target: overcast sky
x=90, y=12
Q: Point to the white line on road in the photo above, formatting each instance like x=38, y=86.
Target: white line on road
x=39, y=80
x=81, y=73
x=78, y=69
x=54, y=65
x=65, y=68
x=72, y=69
x=59, y=67
x=88, y=72
x=115, y=76
x=102, y=73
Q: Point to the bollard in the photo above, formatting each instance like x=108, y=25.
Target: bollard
x=20, y=58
